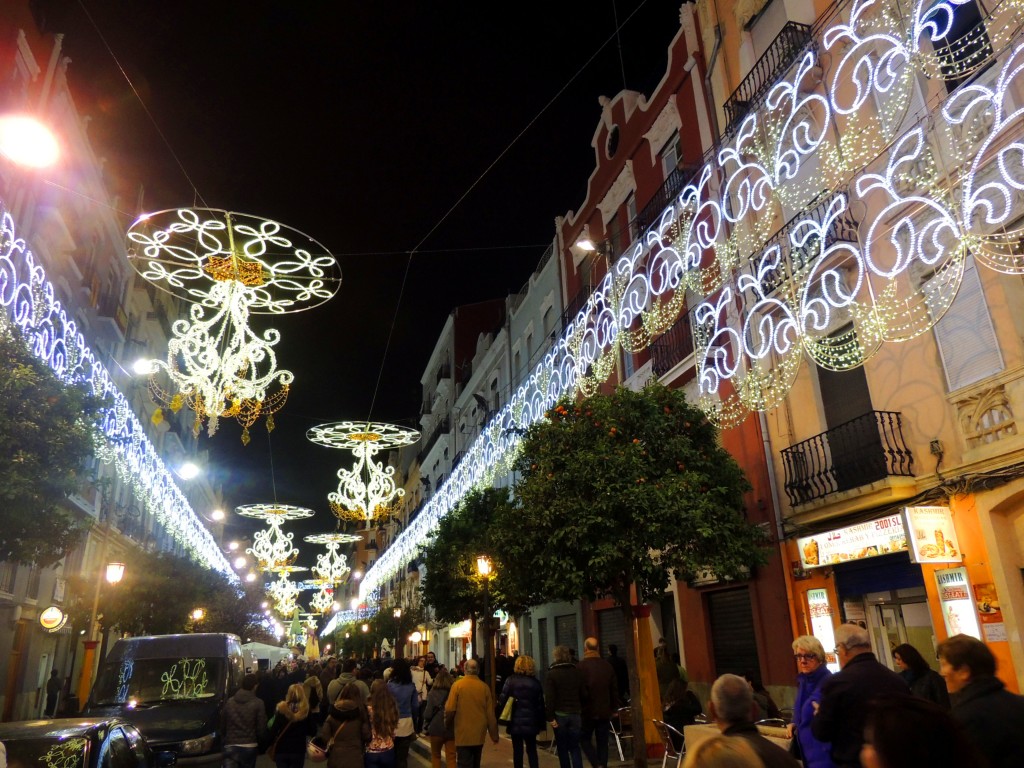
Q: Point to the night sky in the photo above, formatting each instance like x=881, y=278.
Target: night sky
x=360, y=124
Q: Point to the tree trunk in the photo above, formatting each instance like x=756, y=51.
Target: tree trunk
x=472, y=633
x=635, y=693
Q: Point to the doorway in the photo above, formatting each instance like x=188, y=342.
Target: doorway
x=897, y=617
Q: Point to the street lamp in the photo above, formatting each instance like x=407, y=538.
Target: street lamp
x=115, y=572
x=484, y=568
x=398, y=631
x=26, y=141
x=197, y=616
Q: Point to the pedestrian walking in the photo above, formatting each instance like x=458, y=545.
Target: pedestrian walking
x=621, y=671
x=244, y=726
x=924, y=681
x=441, y=736
x=732, y=707
x=601, y=701
x=53, y=689
x=402, y=688
x=380, y=752
x=811, y=674
x=346, y=729
x=293, y=724
x=564, y=693
x=845, y=696
x=422, y=679
x=992, y=717
x=470, y=711
x=315, y=694
x=527, y=720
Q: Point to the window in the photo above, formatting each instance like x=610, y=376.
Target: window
x=7, y=572
x=966, y=46
x=669, y=156
x=32, y=591
x=549, y=320
x=631, y=217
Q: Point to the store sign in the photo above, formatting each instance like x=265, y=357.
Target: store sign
x=931, y=535
x=52, y=619
x=957, y=603
x=878, y=537
x=820, y=611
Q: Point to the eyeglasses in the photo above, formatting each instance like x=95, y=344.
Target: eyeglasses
x=805, y=657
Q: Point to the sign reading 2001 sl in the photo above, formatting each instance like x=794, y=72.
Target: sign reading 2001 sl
x=856, y=542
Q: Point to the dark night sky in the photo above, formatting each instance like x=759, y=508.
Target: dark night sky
x=360, y=124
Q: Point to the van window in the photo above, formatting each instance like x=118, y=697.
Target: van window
x=147, y=681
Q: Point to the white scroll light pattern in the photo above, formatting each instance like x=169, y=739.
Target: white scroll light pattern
x=323, y=600
x=933, y=184
x=229, y=265
x=283, y=592
x=367, y=491
x=30, y=303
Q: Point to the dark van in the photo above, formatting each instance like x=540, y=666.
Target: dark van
x=173, y=689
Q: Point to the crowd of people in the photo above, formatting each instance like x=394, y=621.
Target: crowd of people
x=366, y=715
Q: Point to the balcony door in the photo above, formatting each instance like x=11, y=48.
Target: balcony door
x=853, y=437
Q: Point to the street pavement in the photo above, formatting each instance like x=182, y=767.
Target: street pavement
x=495, y=756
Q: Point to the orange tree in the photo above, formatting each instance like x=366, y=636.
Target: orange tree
x=623, y=490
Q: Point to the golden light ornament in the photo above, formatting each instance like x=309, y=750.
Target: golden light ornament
x=272, y=548
x=331, y=566
x=228, y=266
x=367, y=491
x=322, y=601
x=284, y=593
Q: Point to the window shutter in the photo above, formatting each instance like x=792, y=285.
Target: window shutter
x=965, y=336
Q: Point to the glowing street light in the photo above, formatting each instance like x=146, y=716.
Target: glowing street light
x=115, y=572
x=217, y=515
x=188, y=471
x=26, y=141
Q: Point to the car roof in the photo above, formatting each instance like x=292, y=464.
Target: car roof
x=167, y=646
x=60, y=728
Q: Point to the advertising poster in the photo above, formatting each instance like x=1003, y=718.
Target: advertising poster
x=877, y=537
x=990, y=613
x=931, y=535
x=821, y=624
x=957, y=603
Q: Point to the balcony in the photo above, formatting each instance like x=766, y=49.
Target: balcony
x=782, y=52
x=861, y=451
x=665, y=195
x=443, y=428
x=576, y=305
x=673, y=346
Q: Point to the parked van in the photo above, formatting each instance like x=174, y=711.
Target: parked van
x=173, y=689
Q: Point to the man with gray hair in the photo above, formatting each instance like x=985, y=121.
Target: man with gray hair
x=732, y=707
x=846, y=695
x=470, y=712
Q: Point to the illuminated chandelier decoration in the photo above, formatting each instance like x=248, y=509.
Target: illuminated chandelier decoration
x=229, y=266
x=323, y=600
x=367, y=491
x=893, y=204
x=272, y=548
x=284, y=592
x=331, y=566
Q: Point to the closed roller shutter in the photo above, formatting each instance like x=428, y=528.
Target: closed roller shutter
x=565, y=632
x=732, y=632
x=611, y=630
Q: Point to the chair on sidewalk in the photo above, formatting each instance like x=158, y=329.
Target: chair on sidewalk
x=622, y=728
x=667, y=732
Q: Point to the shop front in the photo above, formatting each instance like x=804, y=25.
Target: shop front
x=917, y=577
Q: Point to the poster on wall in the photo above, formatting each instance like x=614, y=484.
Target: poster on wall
x=931, y=535
x=820, y=611
x=957, y=603
x=990, y=613
x=876, y=537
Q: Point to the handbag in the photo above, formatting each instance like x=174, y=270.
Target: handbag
x=272, y=749
x=506, y=713
x=318, y=754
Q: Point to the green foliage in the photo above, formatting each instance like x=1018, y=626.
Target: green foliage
x=621, y=489
x=452, y=586
x=46, y=435
x=159, y=592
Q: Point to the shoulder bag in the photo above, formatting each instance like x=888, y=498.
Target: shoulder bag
x=272, y=749
x=317, y=754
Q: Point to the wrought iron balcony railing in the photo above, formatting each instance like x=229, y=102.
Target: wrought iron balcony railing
x=665, y=194
x=865, y=449
x=672, y=346
x=783, y=51
x=576, y=305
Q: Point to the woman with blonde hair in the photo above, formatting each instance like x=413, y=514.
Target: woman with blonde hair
x=527, y=712
x=441, y=737
x=811, y=675
x=380, y=752
x=722, y=752
x=292, y=724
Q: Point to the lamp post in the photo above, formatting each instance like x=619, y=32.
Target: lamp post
x=197, y=616
x=484, y=568
x=112, y=573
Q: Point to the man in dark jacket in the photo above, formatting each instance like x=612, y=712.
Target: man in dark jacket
x=245, y=724
x=621, y=671
x=732, y=707
x=602, y=700
x=845, y=695
x=564, y=693
x=992, y=716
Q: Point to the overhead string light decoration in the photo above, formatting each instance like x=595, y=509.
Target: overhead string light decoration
x=892, y=185
x=284, y=592
x=331, y=566
x=367, y=491
x=322, y=601
x=228, y=266
x=272, y=548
